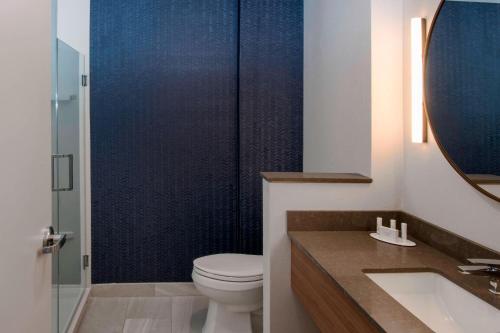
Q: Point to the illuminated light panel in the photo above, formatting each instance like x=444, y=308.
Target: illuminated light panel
x=418, y=118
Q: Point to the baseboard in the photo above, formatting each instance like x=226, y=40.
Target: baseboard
x=144, y=289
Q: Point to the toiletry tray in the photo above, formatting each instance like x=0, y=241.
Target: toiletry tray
x=399, y=241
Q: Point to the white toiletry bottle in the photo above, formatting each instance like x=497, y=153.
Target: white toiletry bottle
x=404, y=231
x=379, y=224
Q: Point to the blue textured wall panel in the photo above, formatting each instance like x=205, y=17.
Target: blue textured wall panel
x=163, y=96
x=463, y=84
x=271, y=69
x=167, y=129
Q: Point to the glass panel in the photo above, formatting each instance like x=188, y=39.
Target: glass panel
x=68, y=164
x=67, y=99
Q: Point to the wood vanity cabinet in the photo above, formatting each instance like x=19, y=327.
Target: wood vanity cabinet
x=328, y=305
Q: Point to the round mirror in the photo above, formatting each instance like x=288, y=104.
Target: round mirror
x=462, y=89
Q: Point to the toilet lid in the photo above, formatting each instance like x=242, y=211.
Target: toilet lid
x=231, y=265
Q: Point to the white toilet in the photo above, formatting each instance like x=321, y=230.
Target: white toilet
x=233, y=283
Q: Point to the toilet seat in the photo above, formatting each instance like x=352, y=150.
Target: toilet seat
x=227, y=278
x=230, y=267
x=224, y=285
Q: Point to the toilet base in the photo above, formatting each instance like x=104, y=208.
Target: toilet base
x=221, y=320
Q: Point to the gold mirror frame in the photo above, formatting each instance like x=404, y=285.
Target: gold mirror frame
x=434, y=133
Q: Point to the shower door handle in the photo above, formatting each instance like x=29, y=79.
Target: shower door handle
x=70, y=172
x=52, y=242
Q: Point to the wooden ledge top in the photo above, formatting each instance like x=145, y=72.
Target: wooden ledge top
x=312, y=177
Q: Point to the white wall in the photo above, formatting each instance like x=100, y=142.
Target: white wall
x=73, y=24
x=432, y=190
x=73, y=27
x=337, y=94
x=282, y=312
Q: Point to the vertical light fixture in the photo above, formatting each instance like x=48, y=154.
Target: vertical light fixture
x=418, y=117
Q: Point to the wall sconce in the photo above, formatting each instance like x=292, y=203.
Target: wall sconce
x=418, y=117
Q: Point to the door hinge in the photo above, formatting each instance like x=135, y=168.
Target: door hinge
x=84, y=80
x=85, y=261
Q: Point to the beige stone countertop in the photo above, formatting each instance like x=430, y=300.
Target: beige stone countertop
x=347, y=255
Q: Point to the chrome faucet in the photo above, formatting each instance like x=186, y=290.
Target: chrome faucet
x=487, y=267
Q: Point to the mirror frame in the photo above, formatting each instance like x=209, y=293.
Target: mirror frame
x=427, y=114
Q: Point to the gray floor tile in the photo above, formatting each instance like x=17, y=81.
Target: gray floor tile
x=137, y=325
x=176, y=289
x=104, y=315
x=147, y=326
x=123, y=290
x=184, y=308
x=180, y=314
x=150, y=308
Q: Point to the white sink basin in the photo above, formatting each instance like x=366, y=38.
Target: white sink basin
x=442, y=305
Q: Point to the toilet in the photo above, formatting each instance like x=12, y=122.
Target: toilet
x=233, y=284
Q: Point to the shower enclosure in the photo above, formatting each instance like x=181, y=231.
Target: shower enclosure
x=68, y=276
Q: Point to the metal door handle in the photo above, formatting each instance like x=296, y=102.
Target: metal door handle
x=69, y=234
x=70, y=172
x=52, y=243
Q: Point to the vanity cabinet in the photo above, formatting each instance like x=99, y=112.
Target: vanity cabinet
x=331, y=309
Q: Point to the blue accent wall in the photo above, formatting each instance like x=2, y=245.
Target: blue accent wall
x=190, y=100
x=271, y=49
x=463, y=84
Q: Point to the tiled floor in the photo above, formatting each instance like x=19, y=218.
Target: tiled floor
x=165, y=308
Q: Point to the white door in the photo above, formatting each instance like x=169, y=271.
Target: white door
x=25, y=165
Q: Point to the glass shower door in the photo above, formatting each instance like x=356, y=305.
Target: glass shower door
x=67, y=146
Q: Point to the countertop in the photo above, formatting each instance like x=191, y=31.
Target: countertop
x=347, y=255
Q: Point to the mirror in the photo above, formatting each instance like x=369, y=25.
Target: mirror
x=462, y=88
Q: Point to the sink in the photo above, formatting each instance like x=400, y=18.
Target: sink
x=439, y=303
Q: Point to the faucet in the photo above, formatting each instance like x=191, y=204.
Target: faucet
x=487, y=267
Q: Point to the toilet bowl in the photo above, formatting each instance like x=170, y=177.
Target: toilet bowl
x=233, y=284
